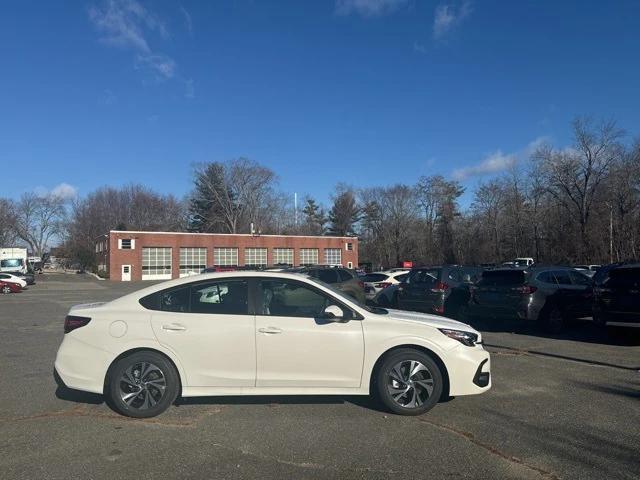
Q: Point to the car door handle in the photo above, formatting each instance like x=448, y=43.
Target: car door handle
x=270, y=330
x=174, y=327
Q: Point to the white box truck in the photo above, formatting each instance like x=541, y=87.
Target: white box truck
x=13, y=259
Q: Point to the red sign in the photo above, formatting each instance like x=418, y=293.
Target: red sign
x=407, y=264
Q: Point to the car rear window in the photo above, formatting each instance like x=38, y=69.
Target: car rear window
x=375, y=277
x=503, y=277
x=623, y=277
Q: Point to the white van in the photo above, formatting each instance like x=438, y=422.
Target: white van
x=13, y=260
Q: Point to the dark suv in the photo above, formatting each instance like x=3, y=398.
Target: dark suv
x=344, y=279
x=441, y=289
x=550, y=295
x=617, y=294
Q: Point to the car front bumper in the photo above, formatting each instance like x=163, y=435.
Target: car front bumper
x=469, y=370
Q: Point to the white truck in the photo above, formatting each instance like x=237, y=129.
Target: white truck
x=13, y=259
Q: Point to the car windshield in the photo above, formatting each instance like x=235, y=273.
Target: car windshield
x=11, y=262
x=343, y=296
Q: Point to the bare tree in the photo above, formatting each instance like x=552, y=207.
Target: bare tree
x=38, y=219
x=575, y=175
x=7, y=223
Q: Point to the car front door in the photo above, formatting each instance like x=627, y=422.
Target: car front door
x=296, y=347
x=208, y=326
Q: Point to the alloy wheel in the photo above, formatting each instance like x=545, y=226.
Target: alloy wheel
x=142, y=385
x=410, y=383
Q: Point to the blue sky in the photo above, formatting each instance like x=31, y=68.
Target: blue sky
x=367, y=92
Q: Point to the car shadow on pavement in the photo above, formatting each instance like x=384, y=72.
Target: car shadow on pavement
x=575, y=330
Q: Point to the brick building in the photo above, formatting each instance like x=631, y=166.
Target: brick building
x=127, y=255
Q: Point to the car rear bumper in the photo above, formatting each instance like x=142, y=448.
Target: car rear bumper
x=81, y=366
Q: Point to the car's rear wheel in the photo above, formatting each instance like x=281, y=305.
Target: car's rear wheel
x=408, y=382
x=554, y=320
x=142, y=385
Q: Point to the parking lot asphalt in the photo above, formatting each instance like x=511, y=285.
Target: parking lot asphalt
x=561, y=407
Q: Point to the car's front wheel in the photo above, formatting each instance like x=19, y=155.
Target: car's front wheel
x=142, y=385
x=6, y=289
x=408, y=382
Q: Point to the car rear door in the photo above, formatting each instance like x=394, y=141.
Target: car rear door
x=583, y=294
x=569, y=295
x=296, y=347
x=498, y=292
x=418, y=291
x=210, y=329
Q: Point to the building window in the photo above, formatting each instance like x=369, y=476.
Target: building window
x=156, y=263
x=255, y=256
x=349, y=246
x=126, y=243
x=283, y=256
x=333, y=256
x=225, y=256
x=192, y=260
x=308, y=256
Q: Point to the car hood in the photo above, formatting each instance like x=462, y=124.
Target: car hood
x=430, y=320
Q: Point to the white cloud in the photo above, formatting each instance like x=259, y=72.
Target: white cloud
x=368, y=8
x=448, y=17
x=127, y=24
x=63, y=191
x=494, y=163
x=419, y=48
x=188, y=22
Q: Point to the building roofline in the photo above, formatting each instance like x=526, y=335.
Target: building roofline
x=224, y=234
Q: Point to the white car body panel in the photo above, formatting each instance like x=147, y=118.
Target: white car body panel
x=229, y=355
x=13, y=279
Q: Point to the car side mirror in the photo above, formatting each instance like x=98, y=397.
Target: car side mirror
x=333, y=313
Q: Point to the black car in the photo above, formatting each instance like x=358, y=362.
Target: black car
x=549, y=295
x=440, y=289
x=344, y=279
x=617, y=295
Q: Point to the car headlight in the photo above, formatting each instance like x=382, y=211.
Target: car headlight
x=466, y=338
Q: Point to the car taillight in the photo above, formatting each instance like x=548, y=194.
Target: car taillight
x=382, y=285
x=440, y=287
x=72, y=322
x=361, y=283
x=525, y=289
x=439, y=309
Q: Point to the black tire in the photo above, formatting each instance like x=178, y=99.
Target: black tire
x=148, y=373
x=553, y=320
x=423, y=399
x=6, y=289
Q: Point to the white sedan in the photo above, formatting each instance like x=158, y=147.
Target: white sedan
x=7, y=277
x=264, y=333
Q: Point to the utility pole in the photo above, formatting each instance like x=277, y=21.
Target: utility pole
x=295, y=209
x=610, y=233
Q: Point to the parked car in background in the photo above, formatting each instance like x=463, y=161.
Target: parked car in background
x=378, y=281
x=550, y=295
x=344, y=279
x=7, y=277
x=9, y=287
x=257, y=333
x=13, y=259
x=589, y=270
x=617, y=296
x=441, y=289
x=28, y=277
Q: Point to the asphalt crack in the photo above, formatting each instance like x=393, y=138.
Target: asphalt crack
x=491, y=449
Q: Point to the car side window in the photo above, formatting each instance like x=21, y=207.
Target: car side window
x=546, y=277
x=454, y=275
x=562, y=277
x=175, y=300
x=579, y=279
x=222, y=297
x=284, y=298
